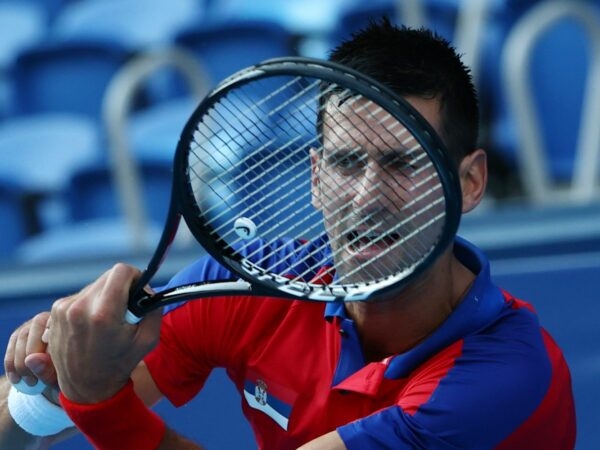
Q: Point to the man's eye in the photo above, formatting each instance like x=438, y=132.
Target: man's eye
x=403, y=164
x=347, y=161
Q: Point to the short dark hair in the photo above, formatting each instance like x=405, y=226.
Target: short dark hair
x=418, y=62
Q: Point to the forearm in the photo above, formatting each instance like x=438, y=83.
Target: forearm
x=13, y=436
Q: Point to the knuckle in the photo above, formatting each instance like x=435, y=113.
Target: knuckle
x=58, y=305
x=9, y=364
x=41, y=318
x=74, y=313
x=22, y=333
x=19, y=366
x=125, y=270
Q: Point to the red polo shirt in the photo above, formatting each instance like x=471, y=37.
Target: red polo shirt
x=488, y=377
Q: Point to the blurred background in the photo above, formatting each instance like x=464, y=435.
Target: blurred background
x=94, y=94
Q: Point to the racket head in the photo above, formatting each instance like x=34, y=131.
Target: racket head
x=282, y=150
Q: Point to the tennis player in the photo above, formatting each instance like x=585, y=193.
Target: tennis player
x=453, y=362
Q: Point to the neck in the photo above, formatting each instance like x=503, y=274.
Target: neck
x=395, y=325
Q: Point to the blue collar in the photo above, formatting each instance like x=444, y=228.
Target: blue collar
x=481, y=304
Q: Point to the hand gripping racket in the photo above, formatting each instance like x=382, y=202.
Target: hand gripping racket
x=297, y=148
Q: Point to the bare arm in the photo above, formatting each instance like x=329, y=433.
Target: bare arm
x=26, y=358
x=147, y=390
x=329, y=441
x=95, y=353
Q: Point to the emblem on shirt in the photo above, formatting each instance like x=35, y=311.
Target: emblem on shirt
x=273, y=399
x=260, y=392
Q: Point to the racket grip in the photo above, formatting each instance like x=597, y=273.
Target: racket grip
x=131, y=318
x=24, y=388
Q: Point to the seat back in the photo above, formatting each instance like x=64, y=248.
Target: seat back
x=135, y=24
x=551, y=74
x=12, y=218
x=66, y=77
x=227, y=47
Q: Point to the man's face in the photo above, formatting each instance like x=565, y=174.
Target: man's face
x=378, y=192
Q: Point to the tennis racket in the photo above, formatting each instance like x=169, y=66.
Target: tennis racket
x=298, y=148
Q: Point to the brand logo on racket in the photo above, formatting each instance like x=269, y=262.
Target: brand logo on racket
x=245, y=228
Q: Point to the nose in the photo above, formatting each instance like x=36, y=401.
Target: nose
x=370, y=189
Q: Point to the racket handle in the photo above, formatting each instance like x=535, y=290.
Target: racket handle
x=24, y=388
x=131, y=318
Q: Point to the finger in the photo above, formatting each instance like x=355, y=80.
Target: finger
x=28, y=341
x=42, y=367
x=46, y=335
x=37, y=328
x=114, y=297
x=20, y=352
x=148, y=330
x=9, y=359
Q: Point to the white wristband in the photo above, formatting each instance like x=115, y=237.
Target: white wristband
x=36, y=414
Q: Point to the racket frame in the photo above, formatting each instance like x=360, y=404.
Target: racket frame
x=271, y=284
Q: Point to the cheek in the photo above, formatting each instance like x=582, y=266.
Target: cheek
x=334, y=192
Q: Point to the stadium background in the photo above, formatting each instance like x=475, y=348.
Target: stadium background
x=93, y=94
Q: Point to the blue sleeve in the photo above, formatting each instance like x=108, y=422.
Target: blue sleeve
x=390, y=428
x=203, y=269
x=499, y=379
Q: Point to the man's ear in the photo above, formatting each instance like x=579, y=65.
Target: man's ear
x=473, y=175
x=315, y=187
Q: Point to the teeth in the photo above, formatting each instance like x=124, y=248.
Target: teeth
x=371, y=236
x=355, y=237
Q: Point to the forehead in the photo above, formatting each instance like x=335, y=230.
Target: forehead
x=356, y=121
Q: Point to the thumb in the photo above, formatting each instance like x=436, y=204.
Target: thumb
x=148, y=330
x=42, y=367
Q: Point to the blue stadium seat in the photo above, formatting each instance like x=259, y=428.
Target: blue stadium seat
x=154, y=131
x=224, y=48
x=13, y=221
x=93, y=194
x=548, y=125
x=39, y=153
x=106, y=238
x=65, y=76
x=135, y=24
x=299, y=17
x=22, y=25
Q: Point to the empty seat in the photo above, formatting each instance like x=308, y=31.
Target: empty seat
x=39, y=154
x=133, y=23
x=12, y=218
x=68, y=77
x=227, y=47
x=551, y=74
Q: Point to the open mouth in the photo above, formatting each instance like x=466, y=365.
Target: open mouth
x=368, y=242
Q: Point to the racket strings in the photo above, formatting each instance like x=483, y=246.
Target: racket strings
x=252, y=156
x=286, y=181
x=366, y=219
x=276, y=182
x=416, y=153
x=223, y=123
x=252, y=111
x=274, y=186
x=413, y=255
